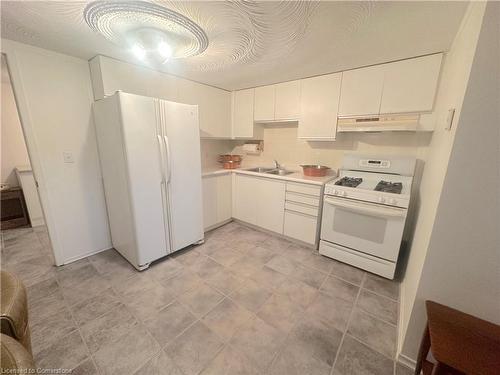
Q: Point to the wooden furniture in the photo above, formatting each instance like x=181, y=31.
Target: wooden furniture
x=459, y=342
x=14, y=213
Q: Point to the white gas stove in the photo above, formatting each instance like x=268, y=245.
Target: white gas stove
x=365, y=211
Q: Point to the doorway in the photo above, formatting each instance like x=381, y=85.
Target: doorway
x=23, y=229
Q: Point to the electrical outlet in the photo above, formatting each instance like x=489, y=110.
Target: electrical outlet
x=68, y=157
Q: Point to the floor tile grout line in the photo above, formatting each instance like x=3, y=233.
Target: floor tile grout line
x=363, y=342
x=282, y=347
x=90, y=354
x=346, y=328
x=376, y=316
x=228, y=296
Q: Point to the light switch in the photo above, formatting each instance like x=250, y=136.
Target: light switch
x=68, y=157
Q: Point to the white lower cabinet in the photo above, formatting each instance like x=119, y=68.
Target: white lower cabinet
x=216, y=200
x=259, y=201
x=245, y=198
x=300, y=226
x=271, y=204
x=287, y=208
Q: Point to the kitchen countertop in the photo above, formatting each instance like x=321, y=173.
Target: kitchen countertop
x=295, y=177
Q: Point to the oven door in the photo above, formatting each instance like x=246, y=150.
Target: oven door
x=367, y=227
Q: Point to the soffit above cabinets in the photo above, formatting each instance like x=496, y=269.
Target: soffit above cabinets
x=255, y=43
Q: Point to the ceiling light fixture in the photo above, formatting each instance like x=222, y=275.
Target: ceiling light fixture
x=139, y=51
x=164, y=51
x=149, y=25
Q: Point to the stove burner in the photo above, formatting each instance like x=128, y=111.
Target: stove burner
x=389, y=187
x=349, y=181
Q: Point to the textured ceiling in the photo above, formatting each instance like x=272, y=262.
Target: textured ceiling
x=255, y=43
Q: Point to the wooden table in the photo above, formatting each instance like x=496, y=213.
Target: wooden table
x=460, y=343
x=13, y=209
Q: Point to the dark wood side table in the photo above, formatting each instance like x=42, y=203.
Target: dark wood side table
x=13, y=209
x=460, y=343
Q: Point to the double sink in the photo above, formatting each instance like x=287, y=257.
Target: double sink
x=275, y=171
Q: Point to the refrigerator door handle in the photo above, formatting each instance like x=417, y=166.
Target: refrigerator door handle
x=169, y=161
x=162, y=158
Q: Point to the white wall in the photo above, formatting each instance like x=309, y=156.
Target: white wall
x=54, y=96
x=14, y=152
x=281, y=143
x=455, y=78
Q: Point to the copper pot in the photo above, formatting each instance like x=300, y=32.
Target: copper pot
x=230, y=164
x=229, y=157
x=315, y=170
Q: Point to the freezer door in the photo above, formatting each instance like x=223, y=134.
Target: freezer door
x=181, y=135
x=145, y=152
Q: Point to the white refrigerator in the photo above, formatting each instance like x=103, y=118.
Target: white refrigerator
x=150, y=158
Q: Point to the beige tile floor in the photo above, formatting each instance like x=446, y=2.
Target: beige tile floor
x=244, y=302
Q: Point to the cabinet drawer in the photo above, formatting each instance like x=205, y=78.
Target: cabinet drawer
x=300, y=227
x=301, y=198
x=302, y=208
x=304, y=189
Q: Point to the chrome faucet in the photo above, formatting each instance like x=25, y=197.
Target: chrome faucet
x=276, y=164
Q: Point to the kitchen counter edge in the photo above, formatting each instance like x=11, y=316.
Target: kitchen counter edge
x=294, y=177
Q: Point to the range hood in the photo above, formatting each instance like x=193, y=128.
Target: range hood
x=379, y=123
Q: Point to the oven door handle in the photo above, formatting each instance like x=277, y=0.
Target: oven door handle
x=366, y=208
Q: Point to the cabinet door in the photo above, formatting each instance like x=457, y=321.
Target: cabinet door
x=224, y=197
x=214, y=107
x=245, y=196
x=243, y=103
x=287, y=101
x=300, y=226
x=319, y=103
x=209, y=185
x=264, y=103
x=271, y=204
x=361, y=91
x=410, y=85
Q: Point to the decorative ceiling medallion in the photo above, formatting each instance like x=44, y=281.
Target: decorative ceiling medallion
x=128, y=22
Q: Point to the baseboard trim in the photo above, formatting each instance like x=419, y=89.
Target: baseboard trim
x=79, y=257
x=215, y=226
x=406, y=361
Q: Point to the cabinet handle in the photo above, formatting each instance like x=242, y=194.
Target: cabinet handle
x=301, y=213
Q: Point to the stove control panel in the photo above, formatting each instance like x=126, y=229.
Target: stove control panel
x=332, y=190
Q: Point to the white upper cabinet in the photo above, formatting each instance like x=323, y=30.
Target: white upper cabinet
x=264, y=103
x=214, y=107
x=287, y=101
x=410, y=85
x=243, y=106
x=361, y=91
x=401, y=87
x=280, y=102
x=319, y=102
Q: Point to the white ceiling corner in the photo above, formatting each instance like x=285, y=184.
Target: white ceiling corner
x=255, y=43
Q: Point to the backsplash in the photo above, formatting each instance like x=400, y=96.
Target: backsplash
x=210, y=150
x=281, y=143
